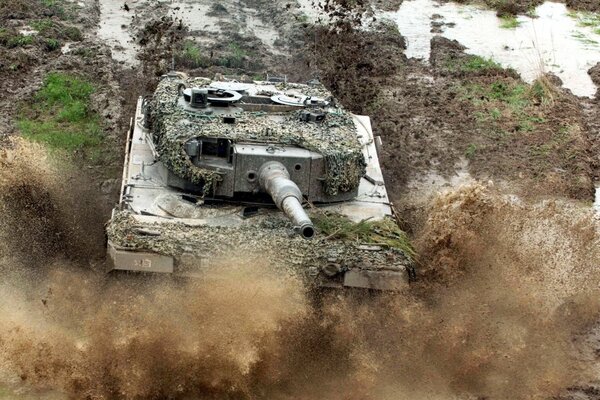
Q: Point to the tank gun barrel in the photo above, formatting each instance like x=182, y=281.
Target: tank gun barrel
x=274, y=179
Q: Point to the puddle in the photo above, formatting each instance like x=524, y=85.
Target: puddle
x=266, y=34
x=195, y=16
x=552, y=42
x=114, y=22
x=28, y=31
x=66, y=48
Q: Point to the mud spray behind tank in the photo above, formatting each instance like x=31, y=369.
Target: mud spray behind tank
x=263, y=169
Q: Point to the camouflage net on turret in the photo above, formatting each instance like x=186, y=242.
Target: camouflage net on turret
x=335, y=138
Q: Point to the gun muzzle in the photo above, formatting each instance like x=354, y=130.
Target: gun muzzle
x=274, y=179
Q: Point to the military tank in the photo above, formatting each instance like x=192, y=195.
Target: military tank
x=267, y=170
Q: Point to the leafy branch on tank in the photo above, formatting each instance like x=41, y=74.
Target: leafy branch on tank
x=384, y=232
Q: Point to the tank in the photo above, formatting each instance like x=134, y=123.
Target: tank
x=268, y=171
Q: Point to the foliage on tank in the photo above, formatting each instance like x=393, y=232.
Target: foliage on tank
x=384, y=232
x=364, y=245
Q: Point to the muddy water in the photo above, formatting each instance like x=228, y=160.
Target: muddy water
x=551, y=42
x=113, y=28
x=115, y=25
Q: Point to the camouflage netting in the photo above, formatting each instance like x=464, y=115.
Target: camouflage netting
x=267, y=237
x=335, y=138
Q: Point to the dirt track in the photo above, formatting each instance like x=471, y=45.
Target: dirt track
x=506, y=306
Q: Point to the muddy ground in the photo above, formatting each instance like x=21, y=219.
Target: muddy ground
x=493, y=178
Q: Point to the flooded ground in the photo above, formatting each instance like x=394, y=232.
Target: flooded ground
x=551, y=41
x=114, y=30
x=206, y=22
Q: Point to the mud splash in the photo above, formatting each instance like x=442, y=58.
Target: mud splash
x=505, y=288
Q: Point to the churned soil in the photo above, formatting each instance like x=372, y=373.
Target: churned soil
x=532, y=137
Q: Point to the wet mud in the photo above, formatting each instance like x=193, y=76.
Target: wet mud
x=506, y=302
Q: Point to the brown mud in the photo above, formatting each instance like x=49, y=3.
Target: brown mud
x=431, y=119
x=506, y=306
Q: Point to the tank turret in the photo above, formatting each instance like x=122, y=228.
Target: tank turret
x=256, y=143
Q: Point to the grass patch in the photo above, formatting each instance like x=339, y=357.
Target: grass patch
x=558, y=141
x=234, y=58
x=60, y=117
x=470, y=151
x=51, y=44
x=473, y=64
x=385, y=232
x=583, y=38
x=19, y=41
x=191, y=54
x=586, y=19
x=509, y=22
x=509, y=105
x=56, y=30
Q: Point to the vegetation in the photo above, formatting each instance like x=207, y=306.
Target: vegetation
x=234, y=58
x=470, y=151
x=190, y=55
x=51, y=29
x=586, y=19
x=473, y=64
x=502, y=101
x=60, y=116
x=556, y=143
x=51, y=44
x=19, y=41
x=49, y=35
x=583, y=38
x=384, y=233
x=509, y=22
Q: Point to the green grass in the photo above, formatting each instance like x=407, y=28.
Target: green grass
x=51, y=44
x=384, y=232
x=501, y=102
x=50, y=29
x=235, y=56
x=509, y=22
x=473, y=64
x=583, y=38
x=586, y=19
x=190, y=55
x=557, y=142
x=470, y=151
x=191, y=51
x=60, y=117
x=19, y=41
x=59, y=8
